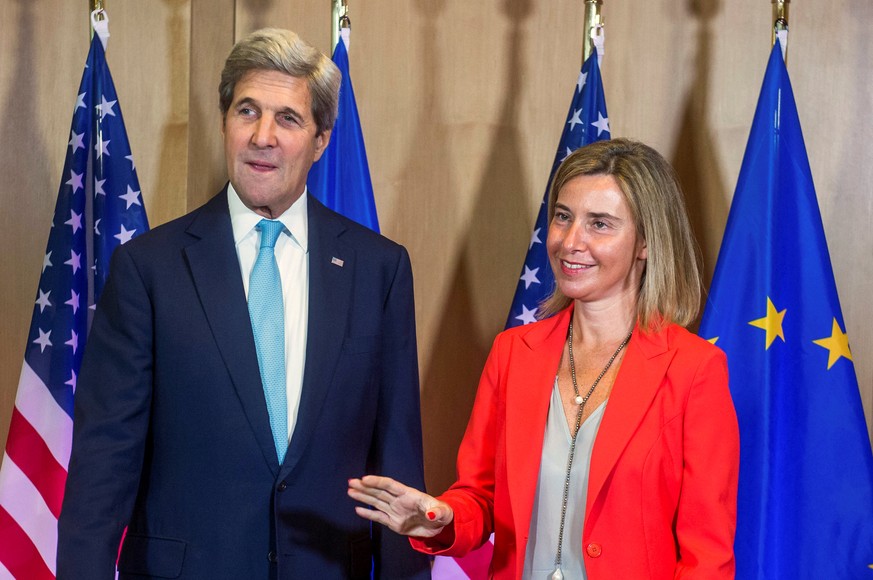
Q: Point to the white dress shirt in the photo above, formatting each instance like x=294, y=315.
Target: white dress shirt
x=292, y=257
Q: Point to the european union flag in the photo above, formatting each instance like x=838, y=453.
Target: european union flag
x=341, y=178
x=805, y=505
x=587, y=122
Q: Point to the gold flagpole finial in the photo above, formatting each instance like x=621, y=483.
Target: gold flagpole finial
x=92, y=6
x=780, y=22
x=339, y=19
x=592, y=22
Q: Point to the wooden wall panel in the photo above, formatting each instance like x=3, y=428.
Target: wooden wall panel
x=212, y=29
x=462, y=105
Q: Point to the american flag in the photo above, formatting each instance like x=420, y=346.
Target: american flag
x=587, y=122
x=99, y=206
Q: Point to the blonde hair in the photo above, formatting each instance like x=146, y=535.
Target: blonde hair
x=284, y=51
x=670, y=287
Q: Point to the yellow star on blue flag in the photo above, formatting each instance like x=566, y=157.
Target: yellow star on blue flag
x=771, y=323
x=837, y=344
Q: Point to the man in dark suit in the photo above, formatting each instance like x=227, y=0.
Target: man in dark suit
x=222, y=432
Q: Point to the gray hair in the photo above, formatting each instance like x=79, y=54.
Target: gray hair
x=284, y=51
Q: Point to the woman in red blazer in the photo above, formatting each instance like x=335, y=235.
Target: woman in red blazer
x=603, y=441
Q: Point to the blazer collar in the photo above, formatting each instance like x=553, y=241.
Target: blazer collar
x=641, y=374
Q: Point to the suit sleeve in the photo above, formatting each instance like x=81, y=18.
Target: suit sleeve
x=111, y=422
x=472, y=495
x=707, y=510
x=397, y=444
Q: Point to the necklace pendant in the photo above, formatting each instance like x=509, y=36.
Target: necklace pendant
x=578, y=399
x=557, y=574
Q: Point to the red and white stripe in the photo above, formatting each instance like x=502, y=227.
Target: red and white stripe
x=32, y=478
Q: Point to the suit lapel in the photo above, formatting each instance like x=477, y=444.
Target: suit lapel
x=331, y=270
x=528, y=391
x=639, y=378
x=215, y=270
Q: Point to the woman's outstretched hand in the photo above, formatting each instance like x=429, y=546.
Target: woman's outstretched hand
x=398, y=507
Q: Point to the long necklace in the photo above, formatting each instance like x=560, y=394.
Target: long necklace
x=579, y=400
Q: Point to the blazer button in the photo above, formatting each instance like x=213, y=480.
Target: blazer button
x=593, y=550
x=271, y=556
x=282, y=486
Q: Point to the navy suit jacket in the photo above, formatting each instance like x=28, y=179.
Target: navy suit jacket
x=172, y=437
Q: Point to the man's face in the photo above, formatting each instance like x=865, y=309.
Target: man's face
x=271, y=140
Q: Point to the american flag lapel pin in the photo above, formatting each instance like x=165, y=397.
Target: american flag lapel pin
x=336, y=262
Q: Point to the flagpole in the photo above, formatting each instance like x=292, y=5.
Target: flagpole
x=780, y=25
x=592, y=22
x=339, y=20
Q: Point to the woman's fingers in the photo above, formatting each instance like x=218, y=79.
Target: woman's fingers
x=400, y=508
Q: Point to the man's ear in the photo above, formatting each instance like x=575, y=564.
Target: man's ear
x=321, y=142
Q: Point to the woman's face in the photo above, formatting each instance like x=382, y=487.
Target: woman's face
x=593, y=246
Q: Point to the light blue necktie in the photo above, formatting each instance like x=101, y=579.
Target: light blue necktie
x=268, y=324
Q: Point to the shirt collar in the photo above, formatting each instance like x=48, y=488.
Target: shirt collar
x=243, y=220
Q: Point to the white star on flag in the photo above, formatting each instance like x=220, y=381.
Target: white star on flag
x=581, y=81
x=131, y=197
x=529, y=277
x=75, y=221
x=77, y=141
x=535, y=238
x=44, y=340
x=98, y=187
x=80, y=102
x=97, y=227
x=72, y=381
x=130, y=158
x=105, y=107
x=527, y=316
x=102, y=147
x=74, y=341
x=575, y=120
x=47, y=261
x=124, y=235
x=602, y=124
x=43, y=300
x=75, y=261
x=73, y=301
x=75, y=180
x=566, y=154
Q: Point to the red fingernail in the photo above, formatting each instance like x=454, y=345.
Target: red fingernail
x=431, y=516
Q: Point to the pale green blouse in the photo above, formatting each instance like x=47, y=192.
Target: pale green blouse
x=545, y=522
